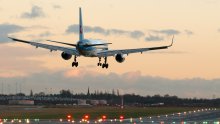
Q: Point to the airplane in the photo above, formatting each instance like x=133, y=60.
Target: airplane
x=89, y=48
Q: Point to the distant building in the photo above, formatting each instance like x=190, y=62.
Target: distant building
x=158, y=104
x=97, y=102
x=21, y=102
x=81, y=102
x=94, y=102
x=102, y=102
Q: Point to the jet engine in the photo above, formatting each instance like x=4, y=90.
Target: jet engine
x=120, y=58
x=66, y=56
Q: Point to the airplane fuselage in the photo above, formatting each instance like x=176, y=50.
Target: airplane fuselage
x=90, y=51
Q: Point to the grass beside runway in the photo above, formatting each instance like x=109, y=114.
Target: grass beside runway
x=22, y=112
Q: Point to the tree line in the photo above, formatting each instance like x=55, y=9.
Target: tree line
x=115, y=98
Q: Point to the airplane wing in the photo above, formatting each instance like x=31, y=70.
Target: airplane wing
x=71, y=51
x=107, y=53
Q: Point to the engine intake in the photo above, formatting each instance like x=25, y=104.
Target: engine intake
x=66, y=56
x=119, y=58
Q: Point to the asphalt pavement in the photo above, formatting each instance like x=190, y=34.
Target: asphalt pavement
x=202, y=116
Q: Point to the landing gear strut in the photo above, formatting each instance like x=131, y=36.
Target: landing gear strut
x=99, y=64
x=75, y=63
x=105, y=64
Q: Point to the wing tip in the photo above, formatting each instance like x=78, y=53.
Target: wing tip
x=11, y=38
x=172, y=41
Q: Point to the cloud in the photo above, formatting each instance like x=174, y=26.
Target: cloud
x=133, y=34
x=79, y=79
x=36, y=12
x=188, y=32
x=17, y=61
x=154, y=38
x=56, y=6
x=167, y=32
x=160, y=35
x=136, y=34
x=45, y=34
x=6, y=29
x=154, y=35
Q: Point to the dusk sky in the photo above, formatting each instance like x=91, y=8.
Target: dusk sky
x=190, y=68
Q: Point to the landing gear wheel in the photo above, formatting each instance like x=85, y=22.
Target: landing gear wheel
x=99, y=64
x=105, y=64
x=75, y=63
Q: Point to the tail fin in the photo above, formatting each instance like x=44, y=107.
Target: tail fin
x=81, y=35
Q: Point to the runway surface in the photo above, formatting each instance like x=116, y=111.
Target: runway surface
x=202, y=116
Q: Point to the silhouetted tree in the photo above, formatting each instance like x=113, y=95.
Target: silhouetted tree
x=88, y=92
x=65, y=93
x=31, y=93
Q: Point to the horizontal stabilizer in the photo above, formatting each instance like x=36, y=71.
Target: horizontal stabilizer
x=89, y=45
x=62, y=43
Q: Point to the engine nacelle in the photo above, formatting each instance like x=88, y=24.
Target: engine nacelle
x=66, y=56
x=120, y=58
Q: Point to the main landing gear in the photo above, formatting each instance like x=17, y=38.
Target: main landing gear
x=75, y=63
x=99, y=64
x=105, y=64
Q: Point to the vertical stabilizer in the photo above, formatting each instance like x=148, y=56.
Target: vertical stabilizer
x=81, y=35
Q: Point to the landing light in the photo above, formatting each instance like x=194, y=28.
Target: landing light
x=69, y=116
x=86, y=116
x=121, y=117
x=131, y=120
x=28, y=121
x=104, y=117
x=100, y=120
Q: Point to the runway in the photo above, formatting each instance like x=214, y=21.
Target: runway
x=199, y=116
x=202, y=116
